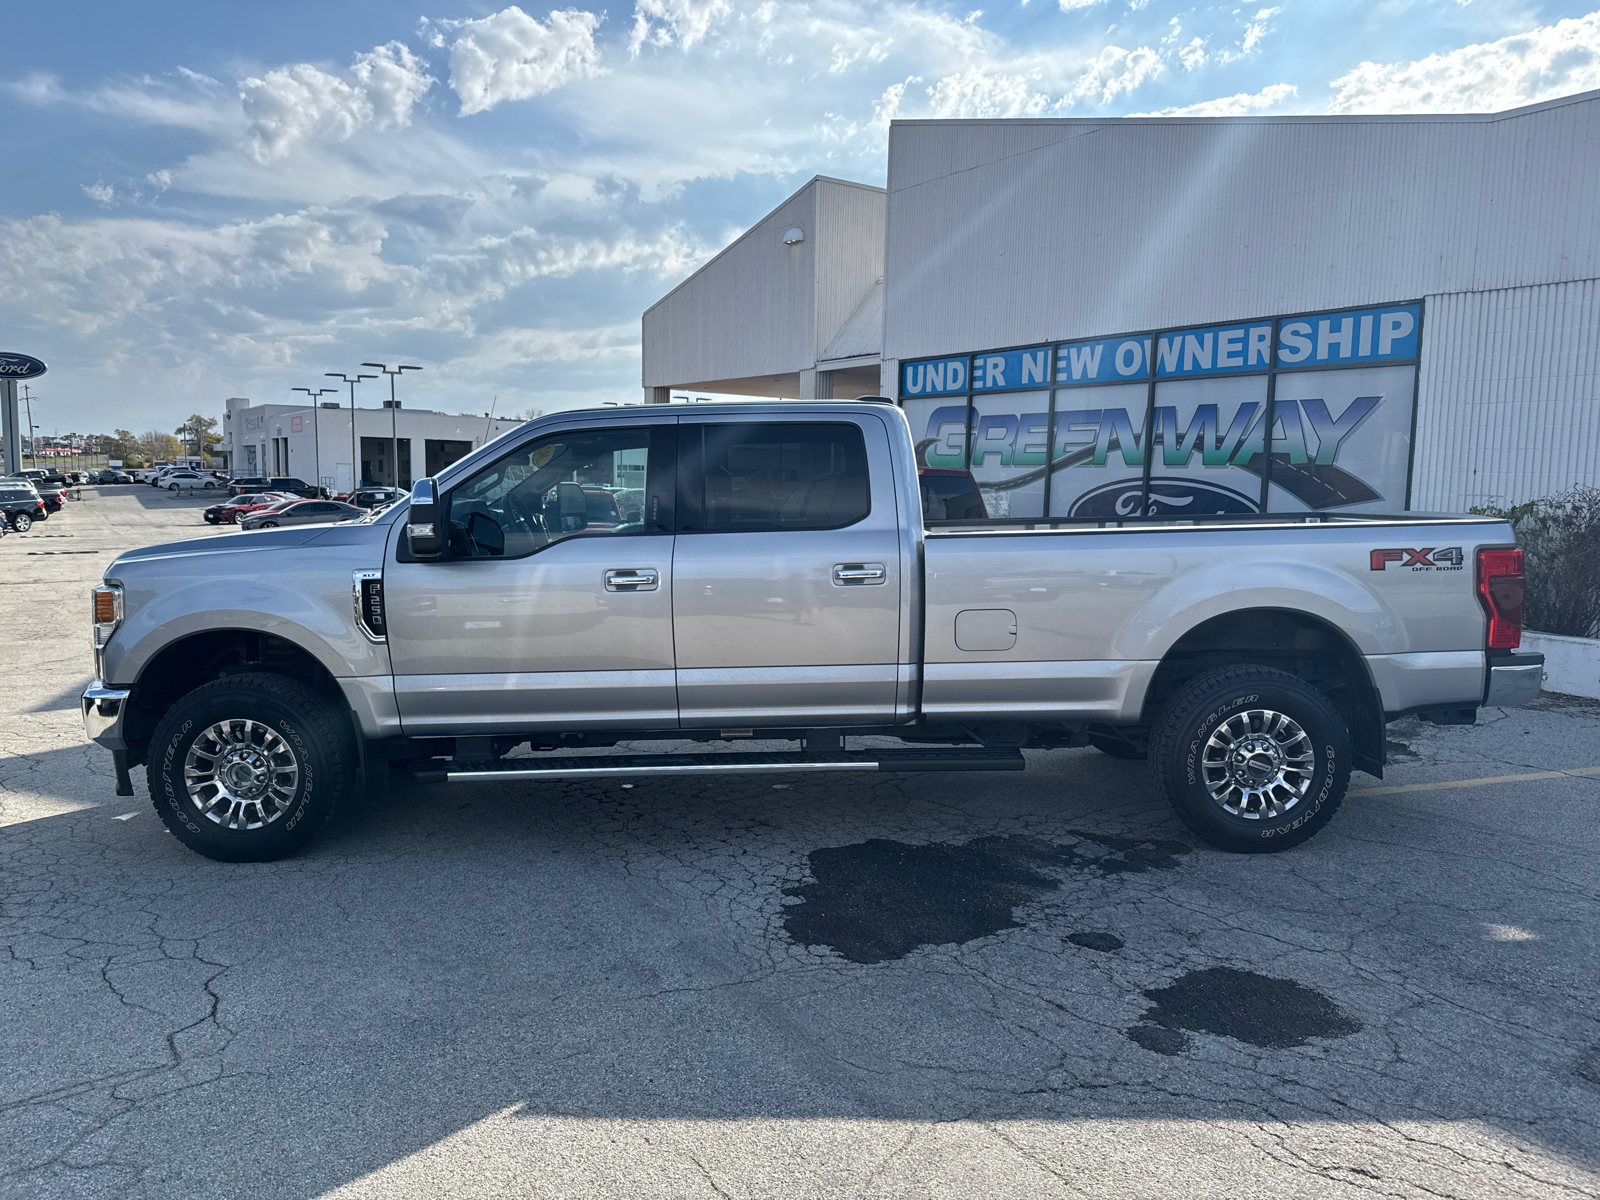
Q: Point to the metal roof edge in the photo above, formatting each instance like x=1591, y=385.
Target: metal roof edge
x=1281, y=119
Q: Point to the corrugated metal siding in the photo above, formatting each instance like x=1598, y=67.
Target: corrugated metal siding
x=761, y=307
x=1508, y=403
x=849, y=254
x=1006, y=232
x=862, y=333
x=750, y=311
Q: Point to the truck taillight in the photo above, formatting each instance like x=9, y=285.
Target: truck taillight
x=1500, y=591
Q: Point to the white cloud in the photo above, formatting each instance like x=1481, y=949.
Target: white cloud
x=1075, y=5
x=1111, y=73
x=1257, y=29
x=663, y=22
x=1553, y=60
x=978, y=93
x=290, y=104
x=100, y=192
x=512, y=56
x=1242, y=105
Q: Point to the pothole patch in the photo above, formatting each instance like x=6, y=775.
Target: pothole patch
x=879, y=900
x=1274, y=1014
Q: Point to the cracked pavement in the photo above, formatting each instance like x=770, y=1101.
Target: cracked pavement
x=590, y=989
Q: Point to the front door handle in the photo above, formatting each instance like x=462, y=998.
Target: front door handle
x=857, y=574
x=632, y=579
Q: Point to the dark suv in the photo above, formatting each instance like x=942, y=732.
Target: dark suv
x=276, y=483
x=21, y=504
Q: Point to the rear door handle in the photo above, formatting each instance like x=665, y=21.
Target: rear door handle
x=632, y=579
x=857, y=574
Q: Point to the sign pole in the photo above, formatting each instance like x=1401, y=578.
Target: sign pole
x=8, y=418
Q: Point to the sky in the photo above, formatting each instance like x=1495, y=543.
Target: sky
x=207, y=200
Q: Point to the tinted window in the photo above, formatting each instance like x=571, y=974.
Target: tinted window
x=776, y=476
x=952, y=497
x=557, y=487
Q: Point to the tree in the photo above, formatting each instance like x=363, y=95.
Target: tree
x=122, y=445
x=154, y=446
x=199, y=432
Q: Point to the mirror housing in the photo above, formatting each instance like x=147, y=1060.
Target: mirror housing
x=424, y=531
x=572, y=507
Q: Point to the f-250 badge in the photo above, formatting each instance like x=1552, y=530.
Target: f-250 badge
x=1448, y=559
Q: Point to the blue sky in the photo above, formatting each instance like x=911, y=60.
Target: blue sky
x=211, y=200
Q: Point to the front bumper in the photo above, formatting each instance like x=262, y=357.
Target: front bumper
x=1514, y=679
x=103, y=711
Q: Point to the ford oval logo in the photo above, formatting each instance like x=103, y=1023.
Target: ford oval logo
x=20, y=366
x=1168, y=498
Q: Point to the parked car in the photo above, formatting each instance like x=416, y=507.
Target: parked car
x=373, y=497
x=186, y=478
x=302, y=512
x=40, y=477
x=54, y=498
x=240, y=484
x=263, y=501
x=21, y=503
x=784, y=580
x=298, y=487
x=109, y=475
x=228, y=511
x=148, y=474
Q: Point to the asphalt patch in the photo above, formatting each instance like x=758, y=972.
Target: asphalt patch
x=1274, y=1014
x=1103, y=942
x=879, y=900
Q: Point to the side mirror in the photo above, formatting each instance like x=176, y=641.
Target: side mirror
x=572, y=506
x=424, y=521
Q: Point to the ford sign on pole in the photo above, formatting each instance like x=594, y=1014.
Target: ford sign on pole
x=12, y=368
x=20, y=366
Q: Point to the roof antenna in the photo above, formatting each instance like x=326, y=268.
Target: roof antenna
x=489, y=418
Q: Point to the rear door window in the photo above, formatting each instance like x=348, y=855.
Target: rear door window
x=772, y=476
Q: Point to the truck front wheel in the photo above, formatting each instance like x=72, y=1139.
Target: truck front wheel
x=250, y=768
x=1252, y=758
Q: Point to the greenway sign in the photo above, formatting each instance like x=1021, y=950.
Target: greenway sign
x=1290, y=413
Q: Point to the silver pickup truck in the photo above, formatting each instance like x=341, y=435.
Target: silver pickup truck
x=766, y=571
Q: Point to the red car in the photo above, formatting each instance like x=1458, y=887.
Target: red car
x=227, y=512
x=261, y=503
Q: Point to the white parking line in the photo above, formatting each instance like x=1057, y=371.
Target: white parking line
x=125, y=817
x=1570, y=773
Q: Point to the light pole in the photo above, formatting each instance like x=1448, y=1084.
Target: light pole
x=33, y=442
x=355, y=450
x=316, y=426
x=394, y=438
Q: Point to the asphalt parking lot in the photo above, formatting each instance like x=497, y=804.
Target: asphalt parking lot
x=1019, y=985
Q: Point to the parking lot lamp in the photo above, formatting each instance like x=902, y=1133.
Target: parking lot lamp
x=316, y=426
x=355, y=449
x=394, y=438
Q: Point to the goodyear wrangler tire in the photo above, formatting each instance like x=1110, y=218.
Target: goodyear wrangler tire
x=1253, y=759
x=250, y=768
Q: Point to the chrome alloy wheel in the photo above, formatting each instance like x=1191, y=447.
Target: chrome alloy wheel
x=1258, y=764
x=241, y=774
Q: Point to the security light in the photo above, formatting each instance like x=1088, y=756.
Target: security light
x=794, y=236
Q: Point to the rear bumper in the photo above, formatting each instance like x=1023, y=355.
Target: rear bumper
x=103, y=712
x=1514, y=679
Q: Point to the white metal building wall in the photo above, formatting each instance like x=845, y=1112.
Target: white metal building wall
x=1508, y=402
x=1010, y=232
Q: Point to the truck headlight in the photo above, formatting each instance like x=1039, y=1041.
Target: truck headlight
x=106, y=601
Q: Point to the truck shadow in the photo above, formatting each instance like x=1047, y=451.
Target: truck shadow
x=1044, y=947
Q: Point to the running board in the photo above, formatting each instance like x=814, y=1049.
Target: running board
x=781, y=763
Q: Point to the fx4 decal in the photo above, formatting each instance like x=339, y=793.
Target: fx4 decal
x=1448, y=559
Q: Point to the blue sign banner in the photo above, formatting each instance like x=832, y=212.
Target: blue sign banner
x=1365, y=335
x=1217, y=350
x=1007, y=370
x=1108, y=360
x=934, y=377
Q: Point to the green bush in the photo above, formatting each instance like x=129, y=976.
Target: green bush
x=1560, y=538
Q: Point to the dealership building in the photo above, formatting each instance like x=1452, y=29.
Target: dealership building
x=394, y=446
x=1189, y=315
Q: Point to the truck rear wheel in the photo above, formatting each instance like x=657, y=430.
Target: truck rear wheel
x=250, y=768
x=1253, y=759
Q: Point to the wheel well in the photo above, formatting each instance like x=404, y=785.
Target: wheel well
x=178, y=669
x=1295, y=642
